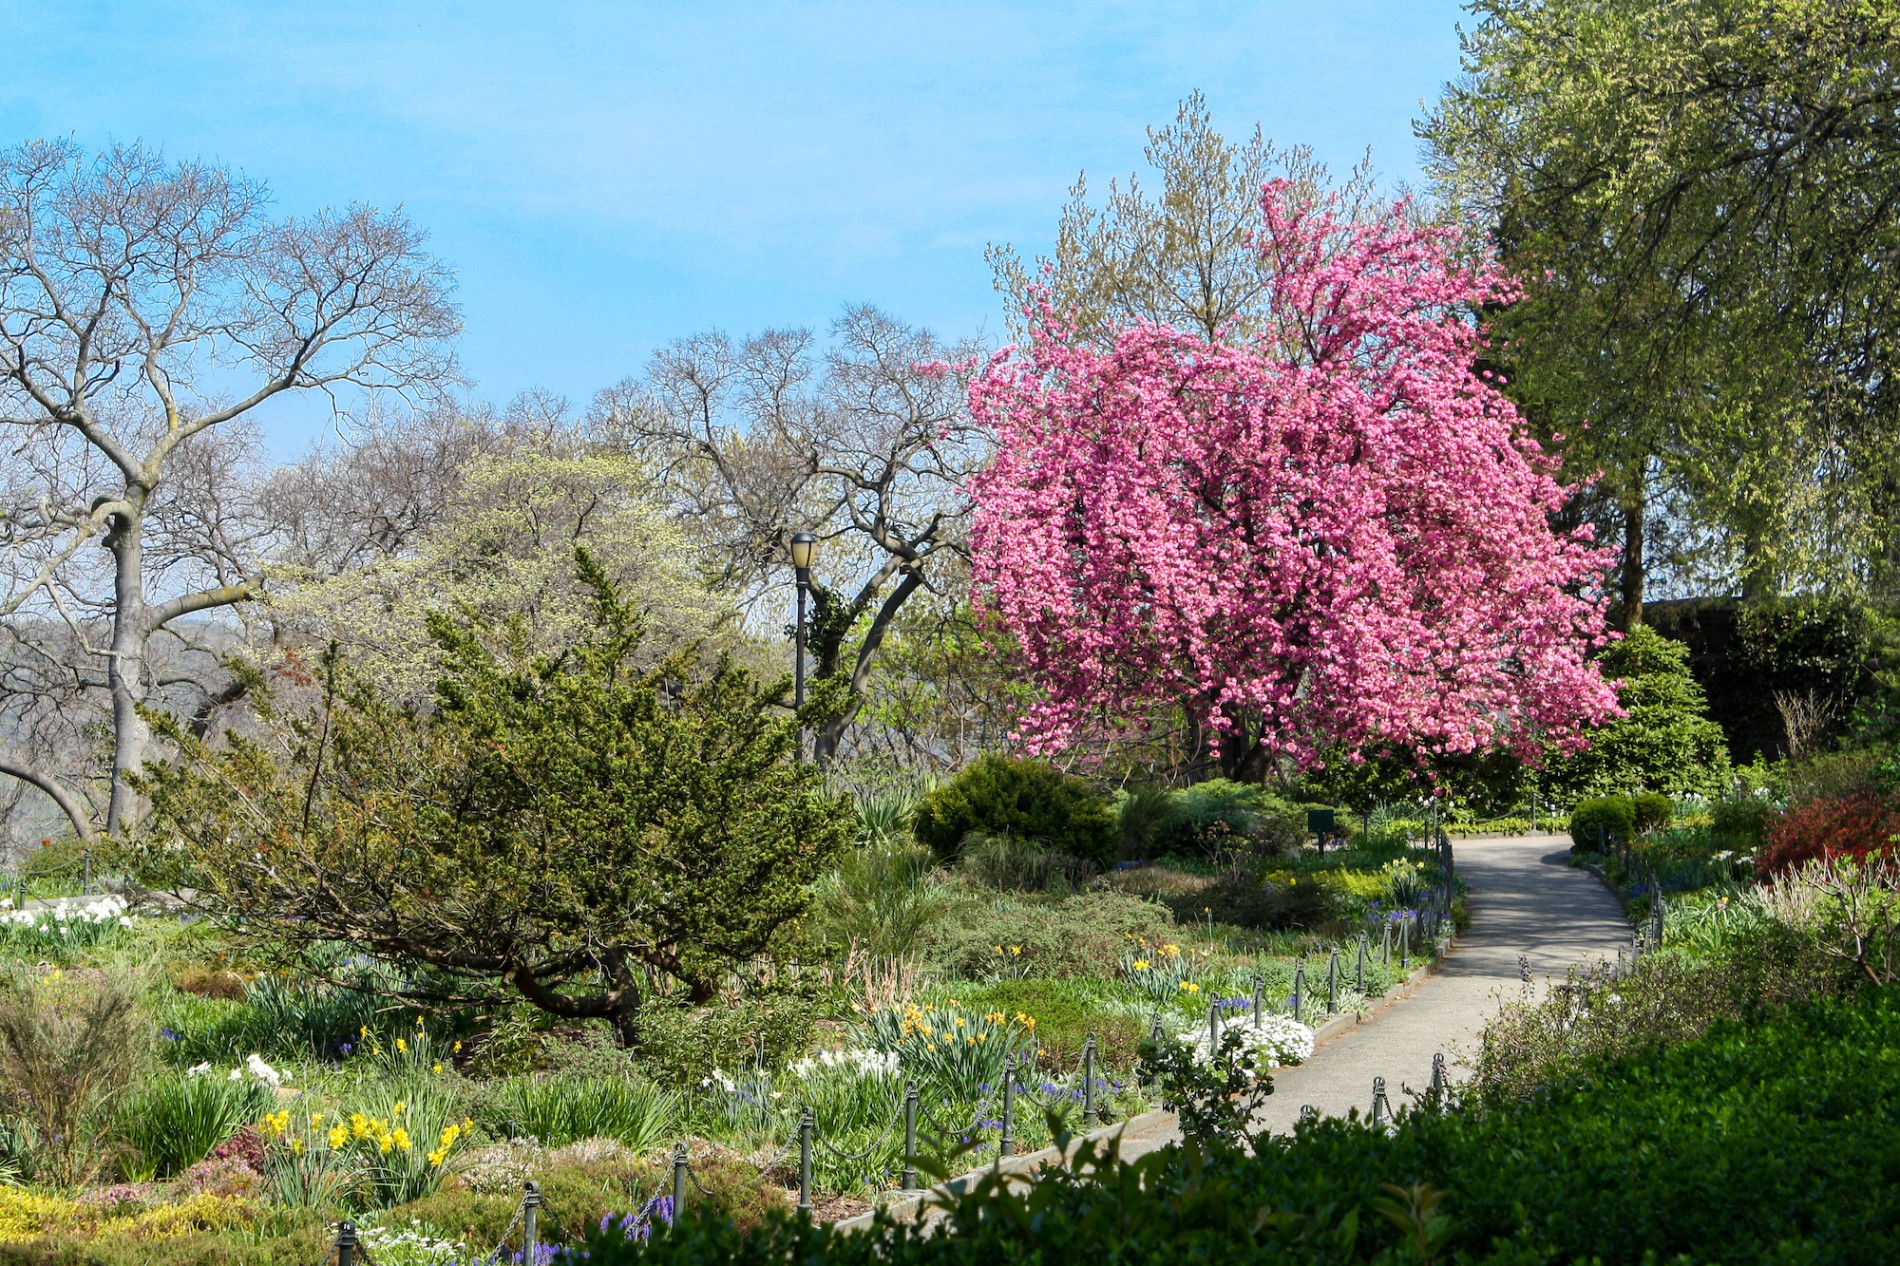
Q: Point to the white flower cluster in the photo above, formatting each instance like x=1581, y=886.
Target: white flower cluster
x=1276, y=1040
x=720, y=1080
x=864, y=1063
x=253, y=1066
x=64, y=918
x=412, y=1245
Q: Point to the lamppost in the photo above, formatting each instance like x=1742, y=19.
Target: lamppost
x=804, y=545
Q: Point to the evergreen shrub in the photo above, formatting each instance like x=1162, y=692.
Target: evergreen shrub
x=1615, y=815
x=1653, y=811
x=1027, y=799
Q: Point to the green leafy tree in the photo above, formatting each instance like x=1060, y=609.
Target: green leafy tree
x=1664, y=743
x=559, y=825
x=1699, y=195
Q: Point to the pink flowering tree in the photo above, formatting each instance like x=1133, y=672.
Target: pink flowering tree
x=1336, y=534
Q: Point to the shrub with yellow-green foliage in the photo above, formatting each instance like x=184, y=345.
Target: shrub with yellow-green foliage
x=28, y=1215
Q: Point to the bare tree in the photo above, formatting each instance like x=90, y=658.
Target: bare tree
x=142, y=305
x=1184, y=256
x=867, y=447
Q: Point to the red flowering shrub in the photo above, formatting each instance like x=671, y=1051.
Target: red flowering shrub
x=1859, y=824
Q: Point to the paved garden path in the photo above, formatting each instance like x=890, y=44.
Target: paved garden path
x=1524, y=899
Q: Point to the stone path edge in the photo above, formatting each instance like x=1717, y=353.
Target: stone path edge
x=907, y=1205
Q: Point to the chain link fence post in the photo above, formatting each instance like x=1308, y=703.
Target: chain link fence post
x=806, y=1125
x=909, y=1179
x=1006, y=1146
x=679, y=1181
x=530, y=1221
x=1091, y=1116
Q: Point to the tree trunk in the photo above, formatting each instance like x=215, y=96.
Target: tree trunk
x=125, y=669
x=1635, y=507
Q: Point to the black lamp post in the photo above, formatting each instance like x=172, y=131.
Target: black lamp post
x=804, y=545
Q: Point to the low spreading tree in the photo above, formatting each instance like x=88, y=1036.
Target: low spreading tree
x=564, y=825
x=1332, y=532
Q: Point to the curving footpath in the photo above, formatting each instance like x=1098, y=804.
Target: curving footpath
x=1525, y=900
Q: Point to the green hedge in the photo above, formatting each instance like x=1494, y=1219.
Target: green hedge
x=1763, y=1144
x=1615, y=814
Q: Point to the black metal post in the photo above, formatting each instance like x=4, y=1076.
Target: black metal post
x=806, y=1124
x=1332, y=982
x=1299, y=987
x=798, y=676
x=346, y=1243
x=1359, y=968
x=1405, y=943
x=1378, y=1103
x=530, y=1221
x=1259, y=991
x=679, y=1181
x=1090, y=1116
x=909, y=1179
x=1006, y=1146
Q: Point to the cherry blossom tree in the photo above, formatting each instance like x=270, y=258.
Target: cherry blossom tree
x=1335, y=532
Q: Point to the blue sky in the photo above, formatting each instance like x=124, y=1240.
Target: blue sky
x=606, y=176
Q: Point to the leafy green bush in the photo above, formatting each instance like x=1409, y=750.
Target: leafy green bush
x=1759, y=1144
x=1652, y=810
x=1740, y=822
x=1601, y=819
x=566, y=1109
x=175, y=1124
x=1284, y=902
x=1027, y=799
x=681, y=1044
x=1663, y=742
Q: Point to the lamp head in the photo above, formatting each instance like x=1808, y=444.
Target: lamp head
x=804, y=545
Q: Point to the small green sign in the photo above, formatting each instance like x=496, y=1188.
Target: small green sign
x=1319, y=821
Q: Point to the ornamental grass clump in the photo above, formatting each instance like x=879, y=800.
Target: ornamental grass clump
x=568, y=1108
x=71, y=1045
x=174, y=1124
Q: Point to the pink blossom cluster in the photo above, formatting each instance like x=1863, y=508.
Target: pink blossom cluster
x=1335, y=533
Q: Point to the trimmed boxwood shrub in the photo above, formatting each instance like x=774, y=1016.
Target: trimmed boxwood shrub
x=1653, y=811
x=1615, y=814
x=1026, y=799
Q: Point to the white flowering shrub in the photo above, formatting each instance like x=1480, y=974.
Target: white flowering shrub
x=1276, y=1041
